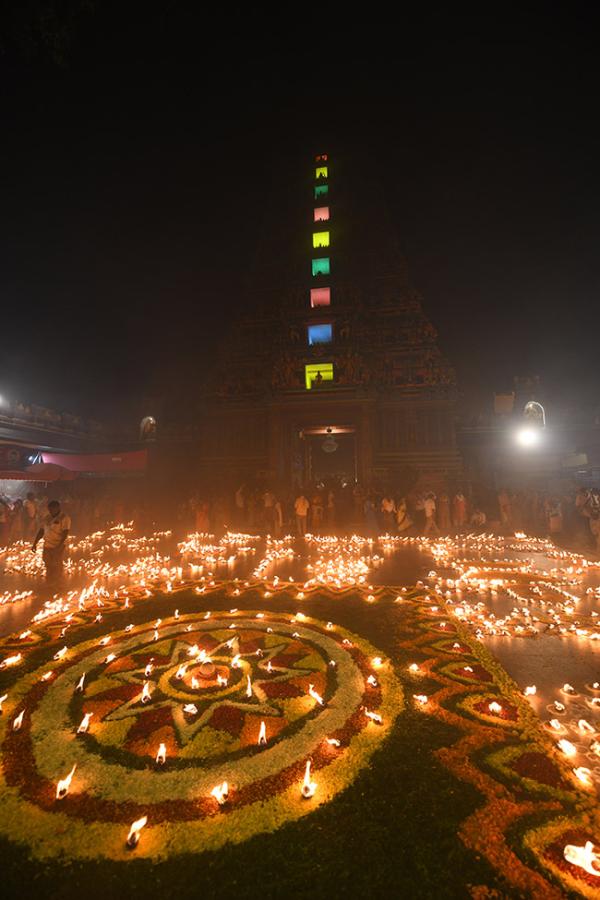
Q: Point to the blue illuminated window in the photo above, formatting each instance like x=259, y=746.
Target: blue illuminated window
x=320, y=266
x=320, y=334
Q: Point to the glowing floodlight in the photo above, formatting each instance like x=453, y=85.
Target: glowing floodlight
x=528, y=437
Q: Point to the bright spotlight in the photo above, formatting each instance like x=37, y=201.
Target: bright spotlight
x=528, y=437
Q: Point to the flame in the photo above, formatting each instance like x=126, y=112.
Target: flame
x=530, y=690
x=262, y=734
x=377, y=662
x=567, y=747
x=148, y=670
x=222, y=680
x=248, y=687
x=60, y=653
x=308, y=787
x=421, y=698
x=372, y=681
x=146, y=694
x=235, y=662
x=333, y=742
x=85, y=723
x=220, y=792
x=494, y=707
x=134, y=832
x=314, y=695
x=181, y=671
x=12, y=660
x=161, y=756
x=584, y=857
x=2, y=699
x=18, y=721
x=375, y=717
x=62, y=788
x=195, y=683
x=79, y=686
x=414, y=668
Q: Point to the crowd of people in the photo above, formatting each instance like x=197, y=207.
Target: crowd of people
x=572, y=518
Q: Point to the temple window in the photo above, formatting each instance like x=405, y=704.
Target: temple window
x=320, y=296
x=317, y=373
x=321, y=190
x=320, y=266
x=322, y=214
x=320, y=239
x=321, y=172
x=320, y=334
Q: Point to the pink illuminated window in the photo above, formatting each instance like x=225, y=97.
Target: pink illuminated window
x=320, y=297
x=322, y=214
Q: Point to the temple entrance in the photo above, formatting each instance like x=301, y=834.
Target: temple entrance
x=330, y=455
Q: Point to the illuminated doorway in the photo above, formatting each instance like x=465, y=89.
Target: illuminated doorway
x=330, y=454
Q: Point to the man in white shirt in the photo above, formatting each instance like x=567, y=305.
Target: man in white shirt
x=54, y=530
x=301, y=509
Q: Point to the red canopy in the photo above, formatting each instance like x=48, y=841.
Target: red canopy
x=99, y=463
x=38, y=472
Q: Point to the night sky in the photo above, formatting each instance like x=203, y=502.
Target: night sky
x=138, y=147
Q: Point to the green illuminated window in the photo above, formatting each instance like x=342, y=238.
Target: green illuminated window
x=320, y=239
x=321, y=172
x=317, y=373
x=321, y=190
x=320, y=266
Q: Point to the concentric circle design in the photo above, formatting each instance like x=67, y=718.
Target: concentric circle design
x=247, y=698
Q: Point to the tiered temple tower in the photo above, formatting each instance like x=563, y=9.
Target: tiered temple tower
x=336, y=372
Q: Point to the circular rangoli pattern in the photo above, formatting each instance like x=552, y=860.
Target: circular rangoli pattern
x=245, y=698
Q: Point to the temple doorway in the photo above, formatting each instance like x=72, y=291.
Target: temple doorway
x=330, y=455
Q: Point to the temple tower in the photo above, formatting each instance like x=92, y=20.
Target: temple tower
x=336, y=372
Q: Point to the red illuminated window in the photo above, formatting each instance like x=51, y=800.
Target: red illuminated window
x=320, y=297
x=321, y=214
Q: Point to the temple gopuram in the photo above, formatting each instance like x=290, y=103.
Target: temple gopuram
x=335, y=373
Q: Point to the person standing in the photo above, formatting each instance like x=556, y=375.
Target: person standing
x=30, y=514
x=430, y=523
x=443, y=513
x=459, y=511
x=388, y=510
x=403, y=520
x=16, y=522
x=4, y=522
x=301, y=506
x=54, y=531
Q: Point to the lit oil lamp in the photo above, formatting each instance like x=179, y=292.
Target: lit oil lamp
x=316, y=697
x=18, y=721
x=161, y=755
x=262, y=734
x=146, y=693
x=85, y=723
x=567, y=747
x=133, y=838
x=62, y=788
x=584, y=857
x=308, y=786
x=220, y=792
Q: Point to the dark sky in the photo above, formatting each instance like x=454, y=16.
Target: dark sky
x=137, y=147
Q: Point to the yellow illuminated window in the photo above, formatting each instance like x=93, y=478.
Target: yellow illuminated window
x=321, y=172
x=317, y=373
x=321, y=239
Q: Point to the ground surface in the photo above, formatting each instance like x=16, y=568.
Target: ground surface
x=447, y=797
